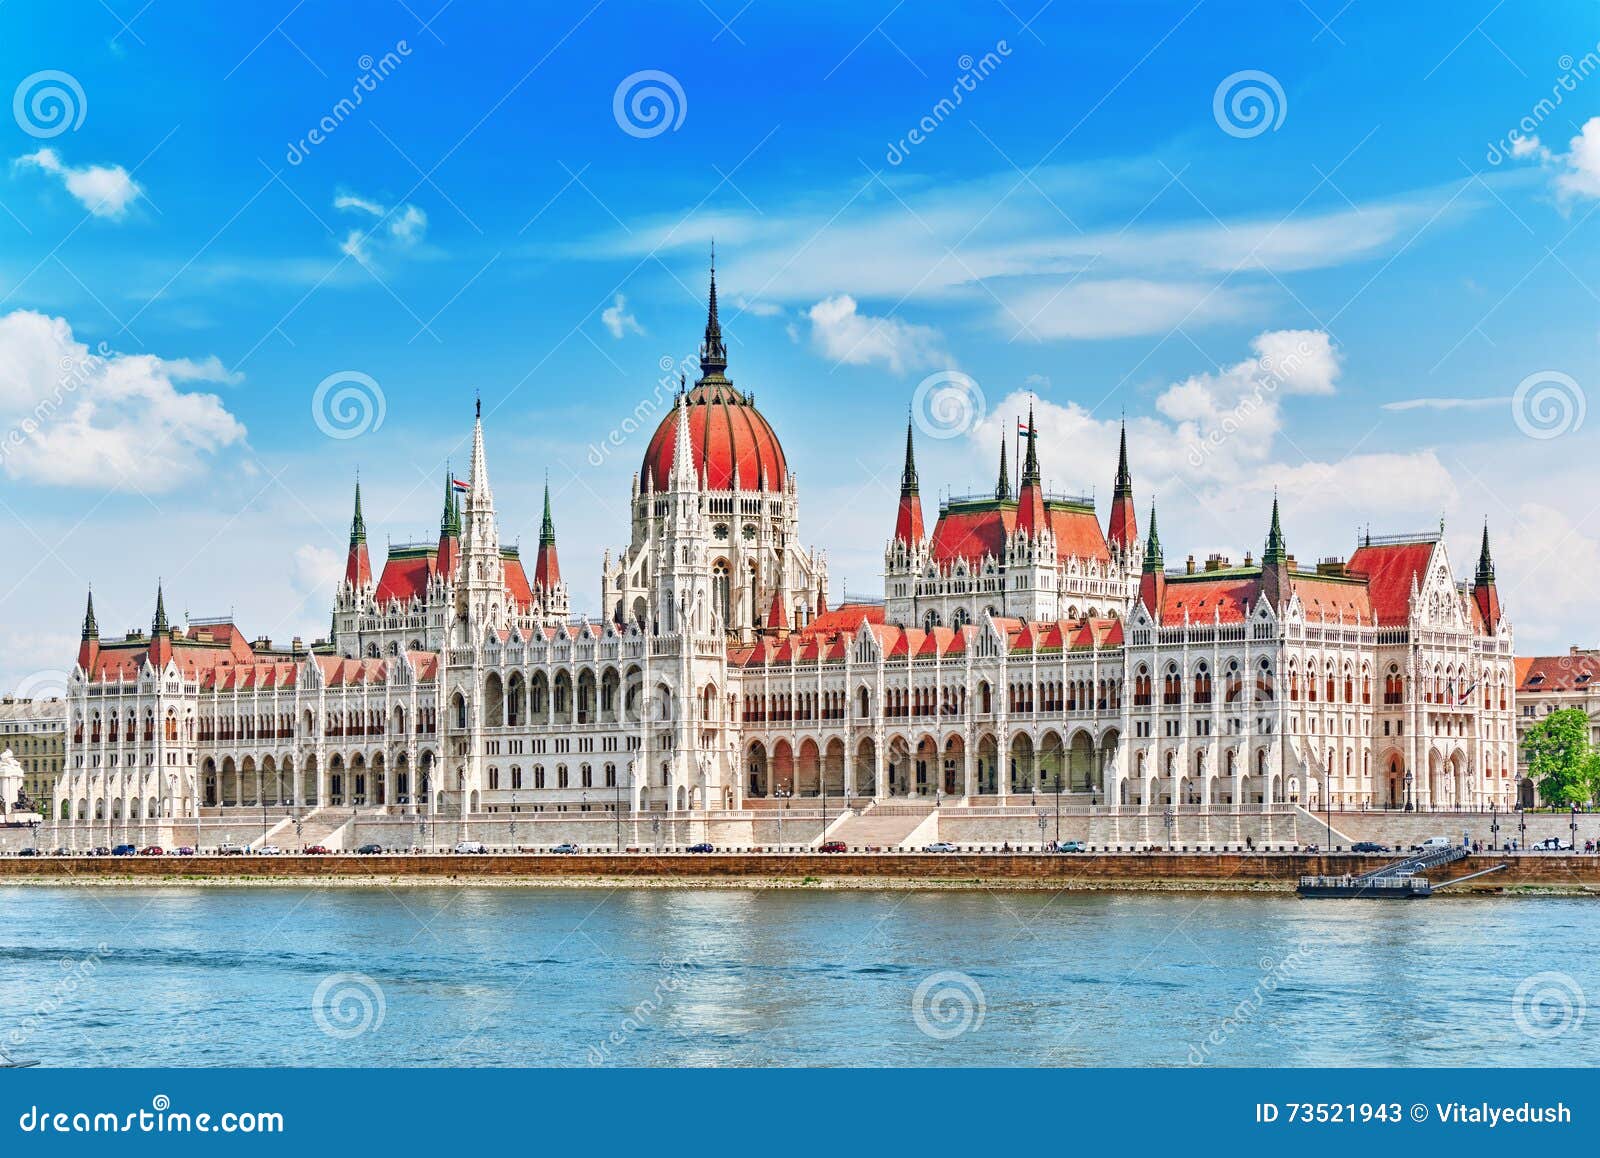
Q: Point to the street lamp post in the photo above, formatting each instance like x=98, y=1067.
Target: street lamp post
x=513, y=820
x=1494, y=829
x=1522, y=828
x=1166, y=819
x=1410, y=776
x=1574, y=826
x=781, y=794
x=1043, y=823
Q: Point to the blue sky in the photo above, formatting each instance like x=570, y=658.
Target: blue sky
x=1094, y=224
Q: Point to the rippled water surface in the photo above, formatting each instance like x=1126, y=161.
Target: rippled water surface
x=509, y=976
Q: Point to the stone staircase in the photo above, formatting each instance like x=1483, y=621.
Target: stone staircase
x=324, y=826
x=896, y=825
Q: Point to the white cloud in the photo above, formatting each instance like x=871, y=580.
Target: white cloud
x=841, y=333
x=618, y=320
x=1117, y=308
x=105, y=191
x=1577, y=171
x=315, y=570
x=400, y=227
x=1217, y=448
x=1093, y=275
x=73, y=417
x=1446, y=403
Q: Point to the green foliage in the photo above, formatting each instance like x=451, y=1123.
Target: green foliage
x=1562, y=761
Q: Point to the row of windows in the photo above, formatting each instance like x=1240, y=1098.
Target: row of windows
x=513, y=777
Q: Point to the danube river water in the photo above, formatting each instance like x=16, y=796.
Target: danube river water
x=221, y=976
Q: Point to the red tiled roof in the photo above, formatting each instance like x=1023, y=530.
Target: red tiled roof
x=845, y=617
x=972, y=531
x=1228, y=596
x=1389, y=570
x=405, y=577
x=724, y=429
x=1333, y=598
x=1558, y=673
x=516, y=581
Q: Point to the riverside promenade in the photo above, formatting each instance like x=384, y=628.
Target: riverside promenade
x=1529, y=873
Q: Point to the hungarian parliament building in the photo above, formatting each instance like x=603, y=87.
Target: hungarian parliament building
x=1021, y=649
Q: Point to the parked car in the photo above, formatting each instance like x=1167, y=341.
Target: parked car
x=28, y=852
x=124, y=850
x=566, y=848
x=472, y=847
x=270, y=850
x=1434, y=842
x=1071, y=846
x=1368, y=846
x=939, y=846
x=62, y=851
x=99, y=850
x=833, y=846
x=317, y=850
x=183, y=850
x=1551, y=844
x=369, y=849
x=230, y=850
x=703, y=846
x=152, y=850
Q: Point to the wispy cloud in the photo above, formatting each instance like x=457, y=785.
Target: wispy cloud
x=618, y=320
x=842, y=333
x=104, y=190
x=400, y=226
x=1446, y=403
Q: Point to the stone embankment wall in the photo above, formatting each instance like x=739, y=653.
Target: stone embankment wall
x=1124, y=870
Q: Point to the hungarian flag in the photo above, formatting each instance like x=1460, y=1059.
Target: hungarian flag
x=464, y=488
x=1023, y=427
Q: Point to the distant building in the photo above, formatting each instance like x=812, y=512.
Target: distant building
x=35, y=732
x=1546, y=683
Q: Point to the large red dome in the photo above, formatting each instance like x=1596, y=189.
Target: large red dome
x=725, y=429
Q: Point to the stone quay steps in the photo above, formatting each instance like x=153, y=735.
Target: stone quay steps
x=887, y=826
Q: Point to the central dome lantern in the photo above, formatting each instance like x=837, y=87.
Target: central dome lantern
x=732, y=445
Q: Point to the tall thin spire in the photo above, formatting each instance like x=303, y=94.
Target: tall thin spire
x=1485, y=574
x=908, y=518
x=908, y=476
x=1124, y=484
x=713, y=354
x=160, y=627
x=1275, y=553
x=546, y=566
x=1153, y=562
x=1030, y=465
x=1123, y=527
x=450, y=521
x=683, y=475
x=547, y=528
x=91, y=629
x=1002, y=488
x=358, y=525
